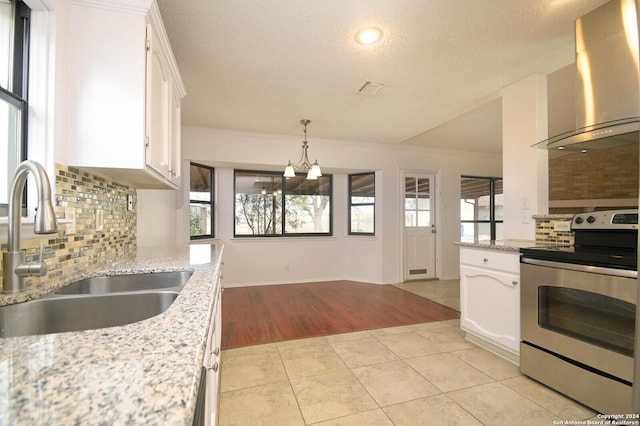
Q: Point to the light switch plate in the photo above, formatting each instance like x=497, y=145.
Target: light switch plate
x=99, y=220
x=70, y=215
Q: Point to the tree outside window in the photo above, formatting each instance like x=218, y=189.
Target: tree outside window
x=267, y=204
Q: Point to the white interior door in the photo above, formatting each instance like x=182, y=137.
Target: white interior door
x=419, y=227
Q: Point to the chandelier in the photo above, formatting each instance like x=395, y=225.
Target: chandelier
x=304, y=165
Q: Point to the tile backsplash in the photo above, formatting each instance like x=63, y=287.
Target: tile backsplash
x=91, y=196
x=547, y=234
x=599, y=174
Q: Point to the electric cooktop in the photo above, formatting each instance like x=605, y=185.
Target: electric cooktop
x=607, y=238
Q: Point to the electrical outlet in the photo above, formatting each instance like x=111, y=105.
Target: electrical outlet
x=526, y=218
x=562, y=225
x=70, y=215
x=130, y=202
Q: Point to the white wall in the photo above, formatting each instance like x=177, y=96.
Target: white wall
x=47, y=84
x=157, y=217
x=47, y=118
x=376, y=259
x=525, y=170
x=361, y=267
x=164, y=215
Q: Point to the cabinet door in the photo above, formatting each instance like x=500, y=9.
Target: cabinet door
x=490, y=306
x=175, y=142
x=213, y=365
x=158, y=110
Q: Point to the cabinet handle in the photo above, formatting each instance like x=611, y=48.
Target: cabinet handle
x=514, y=282
x=485, y=260
x=216, y=351
x=214, y=367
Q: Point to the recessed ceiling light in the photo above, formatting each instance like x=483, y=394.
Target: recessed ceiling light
x=369, y=35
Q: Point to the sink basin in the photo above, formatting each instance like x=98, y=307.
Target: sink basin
x=81, y=312
x=127, y=283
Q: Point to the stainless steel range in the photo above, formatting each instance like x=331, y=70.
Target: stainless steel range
x=578, y=311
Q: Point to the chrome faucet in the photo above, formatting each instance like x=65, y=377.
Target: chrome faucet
x=14, y=268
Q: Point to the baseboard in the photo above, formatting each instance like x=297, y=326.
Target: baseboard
x=254, y=284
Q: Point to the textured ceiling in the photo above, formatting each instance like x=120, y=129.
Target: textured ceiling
x=262, y=65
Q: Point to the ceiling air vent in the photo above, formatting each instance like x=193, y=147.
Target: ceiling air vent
x=369, y=88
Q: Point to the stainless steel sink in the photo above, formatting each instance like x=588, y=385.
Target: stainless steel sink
x=82, y=312
x=127, y=283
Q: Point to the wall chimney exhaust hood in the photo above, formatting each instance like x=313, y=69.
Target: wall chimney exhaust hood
x=608, y=80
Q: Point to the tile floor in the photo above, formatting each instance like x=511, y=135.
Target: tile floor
x=423, y=374
x=445, y=292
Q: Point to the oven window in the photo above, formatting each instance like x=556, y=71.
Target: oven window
x=594, y=318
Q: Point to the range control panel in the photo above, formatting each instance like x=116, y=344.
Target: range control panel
x=606, y=219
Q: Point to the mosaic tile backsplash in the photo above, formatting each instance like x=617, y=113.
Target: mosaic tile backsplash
x=546, y=234
x=90, y=195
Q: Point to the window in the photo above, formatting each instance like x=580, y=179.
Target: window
x=267, y=204
x=417, y=201
x=200, y=201
x=14, y=49
x=481, y=209
x=362, y=204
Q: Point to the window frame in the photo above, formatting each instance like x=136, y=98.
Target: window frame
x=17, y=94
x=283, y=233
x=492, y=204
x=416, y=195
x=210, y=203
x=352, y=204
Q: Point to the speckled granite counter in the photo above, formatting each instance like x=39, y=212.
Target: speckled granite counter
x=506, y=245
x=142, y=373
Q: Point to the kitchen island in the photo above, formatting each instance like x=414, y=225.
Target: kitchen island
x=146, y=372
x=499, y=245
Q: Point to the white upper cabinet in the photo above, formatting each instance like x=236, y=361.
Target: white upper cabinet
x=124, y=93
x=174, y=156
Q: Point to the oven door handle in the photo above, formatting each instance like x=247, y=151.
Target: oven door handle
x=581, y=268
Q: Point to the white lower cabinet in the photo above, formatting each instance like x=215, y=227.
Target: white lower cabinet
x=213, y=360
x=490, y=299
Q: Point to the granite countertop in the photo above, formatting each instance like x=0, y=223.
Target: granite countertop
x=553, y=216
x=147, y=372
x=501, y=245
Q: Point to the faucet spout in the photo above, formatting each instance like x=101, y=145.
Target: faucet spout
x=13, y=260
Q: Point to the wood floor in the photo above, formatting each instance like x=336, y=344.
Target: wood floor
x=273, y=313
